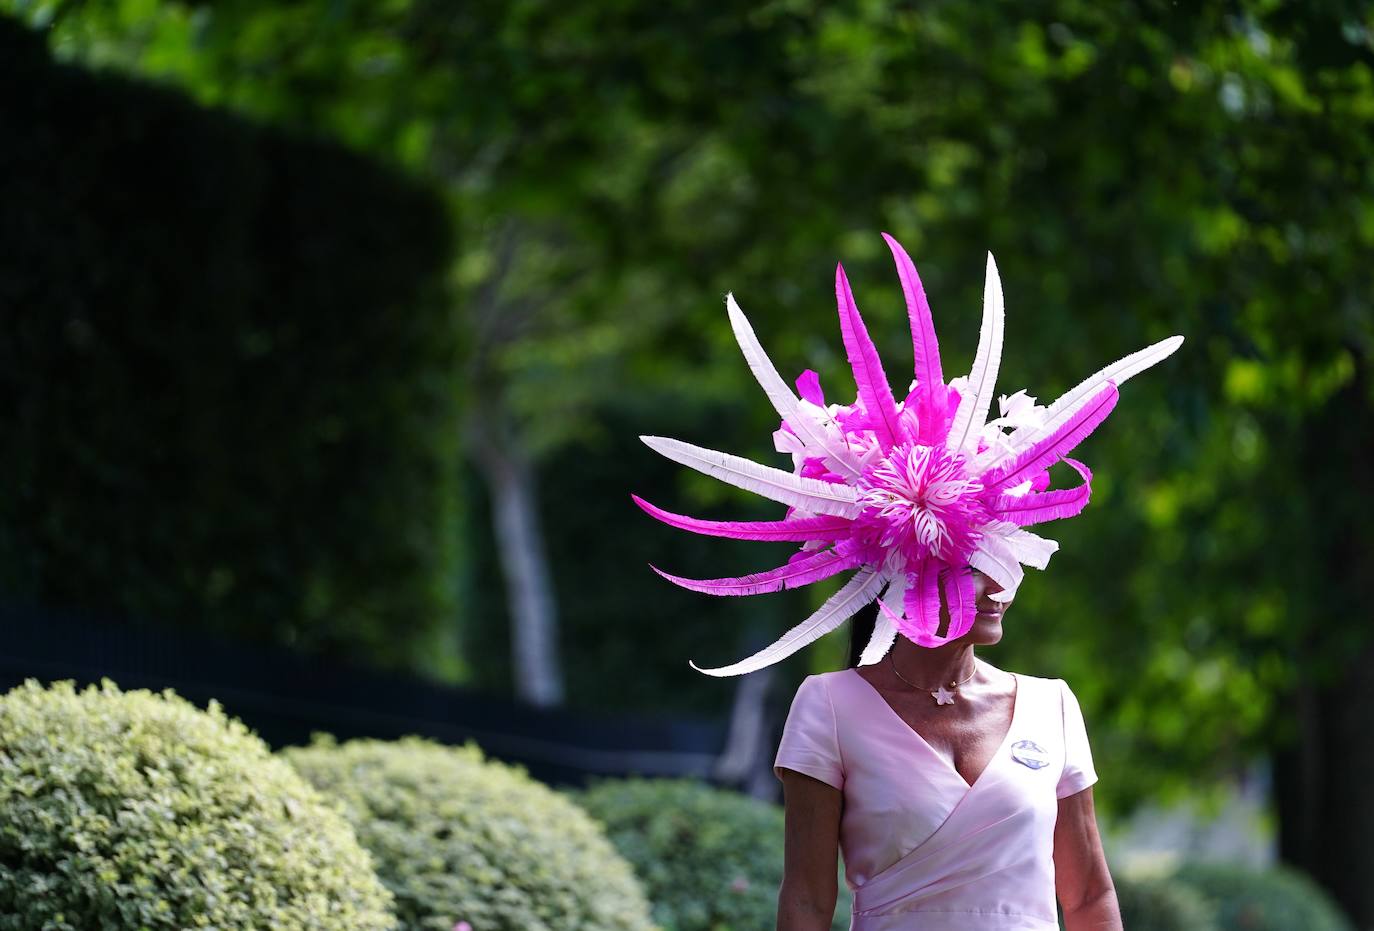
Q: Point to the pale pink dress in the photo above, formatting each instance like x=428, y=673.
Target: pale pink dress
x=922, y=848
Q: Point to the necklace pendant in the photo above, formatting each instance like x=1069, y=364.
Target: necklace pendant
x=943, y=696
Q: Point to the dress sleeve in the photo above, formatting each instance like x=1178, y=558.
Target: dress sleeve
x=1078, y=758
x=810, y=742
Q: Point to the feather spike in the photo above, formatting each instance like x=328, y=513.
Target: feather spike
x=930, y=379
x=1039, y=507
x=860, y=590
x=798, y=529
x=1118, y=372
x=1053, y=447
x=807, y=493
x=821, y=565
x=874, y=390
x=973, y=407
x=885, y=627
x=782, y=398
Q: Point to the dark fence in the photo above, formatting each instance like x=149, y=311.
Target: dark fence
x=286, y=697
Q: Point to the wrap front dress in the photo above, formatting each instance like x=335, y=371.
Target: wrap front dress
x=922, y=847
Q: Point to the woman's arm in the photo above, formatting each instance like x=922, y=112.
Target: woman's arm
x=1081, y=878
x=806, y=901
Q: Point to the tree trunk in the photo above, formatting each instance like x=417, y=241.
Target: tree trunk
x=524, y=562
x=747, y=759
x=1326, y=824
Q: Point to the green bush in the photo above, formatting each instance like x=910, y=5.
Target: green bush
x=129, y=810
x=1278, y=899
x=710, y=860
x=458, y=838
x=1162, y=905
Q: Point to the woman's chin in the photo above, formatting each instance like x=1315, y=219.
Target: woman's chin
x=986, y=629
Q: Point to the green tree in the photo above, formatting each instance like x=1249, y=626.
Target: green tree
x=1138, y=169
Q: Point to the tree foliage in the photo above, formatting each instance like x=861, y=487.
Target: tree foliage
x=1138, y=169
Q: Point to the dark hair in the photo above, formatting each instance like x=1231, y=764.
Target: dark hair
x=860, y=630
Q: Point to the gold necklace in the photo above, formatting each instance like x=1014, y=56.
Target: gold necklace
x=942, y=695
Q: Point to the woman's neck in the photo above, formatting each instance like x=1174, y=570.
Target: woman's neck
x=932, y=667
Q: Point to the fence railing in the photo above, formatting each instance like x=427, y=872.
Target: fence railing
x=286, y=697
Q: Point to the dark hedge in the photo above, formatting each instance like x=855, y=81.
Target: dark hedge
x=227, y=371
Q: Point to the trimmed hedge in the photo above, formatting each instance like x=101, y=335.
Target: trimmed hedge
x=1162, y=905
x=1276, y=899
x=227, y=371
x=129, y=811
x=710, y=859
x=458, y=838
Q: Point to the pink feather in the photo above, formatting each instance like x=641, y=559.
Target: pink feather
x=1037, y=508
x=921, y=623
x=1055, y=446
x=822, y=565
x=824, y=527
x=809, y=387
x=930, y=379
x=960, y=597
x=874, y=390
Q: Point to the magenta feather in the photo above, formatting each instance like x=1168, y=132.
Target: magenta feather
x=921, y=623
x=1055, y=446
x=1037, y=508
x=809, y=387
x=874, y=391
x=930, y=379
x=894, y=620
x=822, y=565
x=823, y=527
x=960, y=597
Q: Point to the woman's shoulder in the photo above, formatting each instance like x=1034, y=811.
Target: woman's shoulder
x=1038, y=682
x=1047, y=689
x=826, y=682
x=831, y=678
x=830, y=688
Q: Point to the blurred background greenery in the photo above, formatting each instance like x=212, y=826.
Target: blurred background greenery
x=425, y=464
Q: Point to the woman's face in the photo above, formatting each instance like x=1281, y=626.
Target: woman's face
x=987, y=623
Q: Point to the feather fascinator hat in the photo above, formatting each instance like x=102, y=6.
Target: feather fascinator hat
x=910, y=496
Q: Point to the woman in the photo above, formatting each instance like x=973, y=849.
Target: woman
x=959, y=793
x=968, y=814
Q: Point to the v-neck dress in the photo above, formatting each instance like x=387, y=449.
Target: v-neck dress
x=922, y=847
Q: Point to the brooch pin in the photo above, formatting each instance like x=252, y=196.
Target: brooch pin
x=1030, y=754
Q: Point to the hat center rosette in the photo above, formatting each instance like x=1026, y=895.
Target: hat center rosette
x=920, y=502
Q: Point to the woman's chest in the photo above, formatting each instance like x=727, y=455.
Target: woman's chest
x=904, y=789
x=967, y=738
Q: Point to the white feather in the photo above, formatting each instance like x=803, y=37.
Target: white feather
x=1026, y=547
x=812, y=494
x=884, y=631
x=861, y=589
x=973, y=404
x=1069, y=402
x=993, y=559
x=784, y=401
